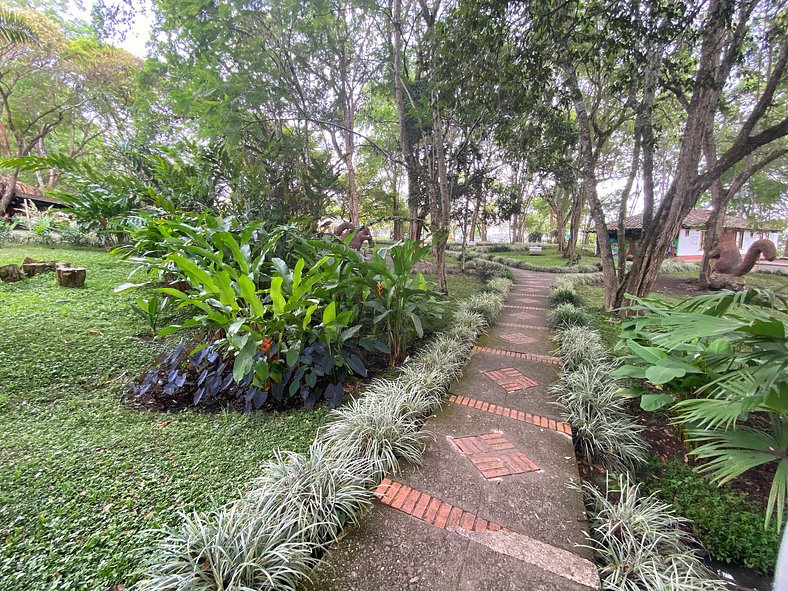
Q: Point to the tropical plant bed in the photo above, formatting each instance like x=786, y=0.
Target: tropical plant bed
x=729, y=519
x=84, y=479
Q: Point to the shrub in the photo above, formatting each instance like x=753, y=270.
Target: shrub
x=723, y=357
x=742, y=540
x=324, y=491
x=641, y=544
x=604, y=432
x=579, y=345
x=269, y=538
x=239, y=546
x=489, y=269
x=488, y=305
x=566, y=315
x=677, y=266
x=498, y=285
x=401, y=301
x=205, y=378
x=564, y=294
x=6, y=231
x=74, y=235
x=378, y=431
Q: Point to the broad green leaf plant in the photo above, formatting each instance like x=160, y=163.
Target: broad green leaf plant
x=720, y=362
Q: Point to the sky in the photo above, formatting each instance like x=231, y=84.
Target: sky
x=136, y=38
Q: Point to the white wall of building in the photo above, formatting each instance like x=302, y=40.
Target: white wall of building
x=691, y=240
x=752, y=236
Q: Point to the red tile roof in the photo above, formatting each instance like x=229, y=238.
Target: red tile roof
x=695, y=219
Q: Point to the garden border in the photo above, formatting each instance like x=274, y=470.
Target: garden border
x=271, y=537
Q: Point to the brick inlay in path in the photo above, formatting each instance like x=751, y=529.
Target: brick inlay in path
x=524, y=326
x=518, y=338
x=524, y=316
x=517, y=355
x=525, y=307
x=430, y=509
x=493, y=455
x=513, y=413
x=510, y=379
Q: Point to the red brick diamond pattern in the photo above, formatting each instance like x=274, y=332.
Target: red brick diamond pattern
x=494, y=456
x=518, y=338
x=524, y=315
x=510, y=379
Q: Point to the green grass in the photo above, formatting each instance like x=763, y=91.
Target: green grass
x=84, y=478
x=729, y=525
x=548, y=258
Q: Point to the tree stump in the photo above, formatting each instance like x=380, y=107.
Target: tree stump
x=71, y=276
x=34, y=268
x=10, y=273
x=725, y=281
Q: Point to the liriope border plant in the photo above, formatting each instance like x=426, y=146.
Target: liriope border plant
x=270, y=538
x=639, y=542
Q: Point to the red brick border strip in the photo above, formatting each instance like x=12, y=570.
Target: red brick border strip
x=431, y=509
x=517, y=355
x=513, y=413
x=526, y=326
x=525, y=307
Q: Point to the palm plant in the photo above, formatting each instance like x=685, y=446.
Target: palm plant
x=14, y=28
x=722, y=361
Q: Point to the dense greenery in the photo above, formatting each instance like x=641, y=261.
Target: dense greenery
x=741, y=541
x=724, y=359
x=269, y=538
x=85, y=477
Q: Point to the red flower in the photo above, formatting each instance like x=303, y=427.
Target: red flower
x=266, y=346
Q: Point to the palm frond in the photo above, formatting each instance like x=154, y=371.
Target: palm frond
x=14, y=28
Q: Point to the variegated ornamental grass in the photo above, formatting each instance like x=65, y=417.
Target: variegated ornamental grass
x=268, y=538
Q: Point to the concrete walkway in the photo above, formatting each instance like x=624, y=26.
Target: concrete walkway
x=490, y=508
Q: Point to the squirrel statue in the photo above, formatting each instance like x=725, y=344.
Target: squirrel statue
x=727, y=259
x=363, y=235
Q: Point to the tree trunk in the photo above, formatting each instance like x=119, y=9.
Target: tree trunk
x=71, y=277
x=475, y=217
x=350, y=147
x=684, y=190
x=407, y=159
x=574, y=227
x=397, y=230
x=8, y=193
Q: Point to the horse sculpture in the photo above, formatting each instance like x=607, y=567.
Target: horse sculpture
x=728, y=267
x=361, y=236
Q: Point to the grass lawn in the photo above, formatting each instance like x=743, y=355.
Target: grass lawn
x=83, y=478
x=548, y=258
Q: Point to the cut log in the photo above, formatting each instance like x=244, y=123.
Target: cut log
x=10, y=273
x=32, y=269
x=71, y=276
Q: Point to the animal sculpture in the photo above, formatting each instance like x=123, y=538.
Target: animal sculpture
x=361, y=236
x=728, y=266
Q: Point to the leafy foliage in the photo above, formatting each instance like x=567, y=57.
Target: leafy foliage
x=566, y=315
x=742, y=540
x=641, y=544
x=122, y=473
x=399, y=300
x=724, y=358
x=269, y=537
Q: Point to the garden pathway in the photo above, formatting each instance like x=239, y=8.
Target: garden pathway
x=490, y=508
